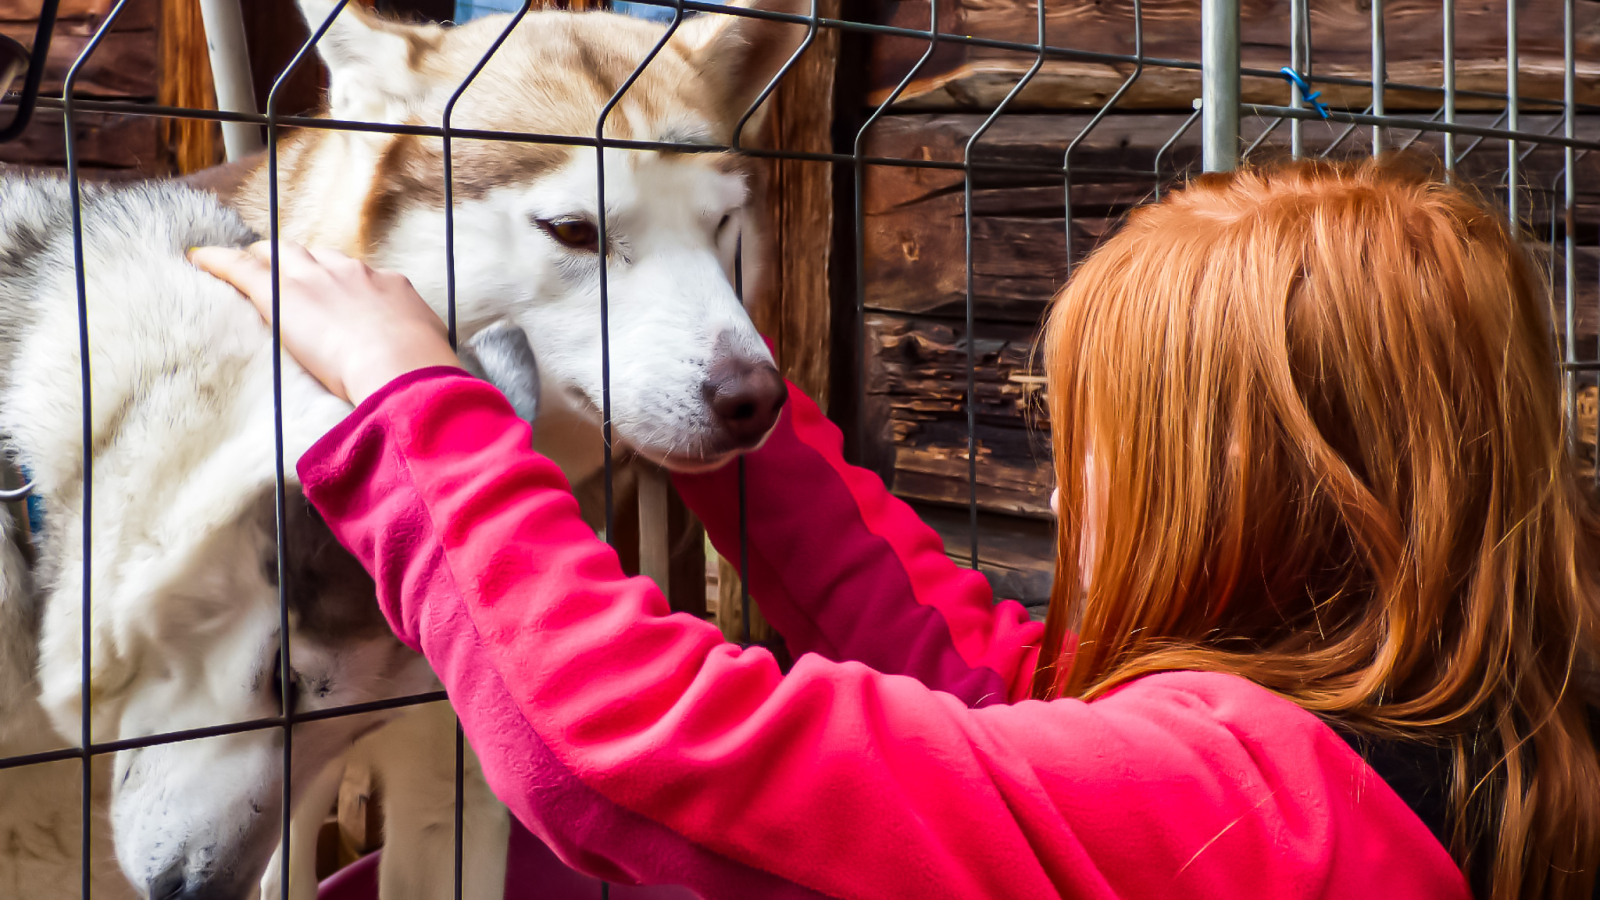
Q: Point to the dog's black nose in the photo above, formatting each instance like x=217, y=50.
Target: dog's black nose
x=173, y=884
x=169, y=885
x=746, y=396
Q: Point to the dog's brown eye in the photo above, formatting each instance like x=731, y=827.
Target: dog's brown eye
x=579, y=234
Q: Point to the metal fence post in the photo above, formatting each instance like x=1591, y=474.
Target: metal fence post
x=1219, y=61
x=230, y=72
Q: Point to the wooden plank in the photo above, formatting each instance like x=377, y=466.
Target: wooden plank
x=124, y=65
x=1017, y=555
x=671, y=542
x=960, y=77
x=130, y=143
x=916, y=408
x=655, y=546
x=915, y=232
x=82, y=16
x=686, y=567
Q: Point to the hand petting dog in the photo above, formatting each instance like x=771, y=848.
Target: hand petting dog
x=354, y=328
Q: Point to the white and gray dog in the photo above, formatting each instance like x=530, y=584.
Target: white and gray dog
x=184, y=624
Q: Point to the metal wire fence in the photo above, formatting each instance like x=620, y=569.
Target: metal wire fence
x=1463, y=129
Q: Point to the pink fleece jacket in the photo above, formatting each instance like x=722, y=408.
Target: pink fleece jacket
x=898, y=758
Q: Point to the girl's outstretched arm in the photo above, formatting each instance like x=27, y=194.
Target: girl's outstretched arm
x=843, y=568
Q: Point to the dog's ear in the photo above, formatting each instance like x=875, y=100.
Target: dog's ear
x=736, y=55
x=501, y=355
x=371, y=61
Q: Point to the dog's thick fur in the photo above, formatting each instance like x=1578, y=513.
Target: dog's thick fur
x=184, y=626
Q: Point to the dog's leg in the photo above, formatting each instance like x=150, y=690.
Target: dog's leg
x=304, y=827
x=415, y=760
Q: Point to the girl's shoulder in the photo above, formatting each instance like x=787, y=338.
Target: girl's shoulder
x=1222, y=779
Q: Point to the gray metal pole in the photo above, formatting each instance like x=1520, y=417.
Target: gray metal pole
x=1569, y=200
x=1450, y=85
x=1513, y=112
x=1380, y=73
x=230, y=71
x=1297, y=61
x=1219, y=60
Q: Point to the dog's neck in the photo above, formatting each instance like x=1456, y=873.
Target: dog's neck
x=324, y=181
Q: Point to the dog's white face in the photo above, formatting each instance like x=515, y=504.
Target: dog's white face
x=679, y=339
x=691, y=382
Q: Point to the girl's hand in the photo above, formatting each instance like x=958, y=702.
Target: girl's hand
x=354, y=328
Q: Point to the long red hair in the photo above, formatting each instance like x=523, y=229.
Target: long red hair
x=1324, y=409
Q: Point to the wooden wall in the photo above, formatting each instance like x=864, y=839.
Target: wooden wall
x=124, y=68
x=977, y=78
x=913, y=219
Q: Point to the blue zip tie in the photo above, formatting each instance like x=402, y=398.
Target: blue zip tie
x=34, y=504
x=1306, y=93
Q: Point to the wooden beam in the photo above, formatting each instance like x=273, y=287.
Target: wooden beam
x=961, y=77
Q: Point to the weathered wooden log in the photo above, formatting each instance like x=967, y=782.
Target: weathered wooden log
x=916, y=408
x=129, y=143
x=122, y=67
x=83, y=16
x=915, y=230
x=965, y=77
x=1016, y=554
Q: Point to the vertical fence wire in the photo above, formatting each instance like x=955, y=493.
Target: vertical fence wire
x=1095, y=120
x=604, y=247
x=971, y=300
x=1569, y=200
x=80, y=287
x=279, y=482
x=459, y=813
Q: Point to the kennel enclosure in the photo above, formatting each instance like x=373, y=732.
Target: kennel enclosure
x=925, y=179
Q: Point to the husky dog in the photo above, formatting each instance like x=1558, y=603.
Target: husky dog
x=184, y=629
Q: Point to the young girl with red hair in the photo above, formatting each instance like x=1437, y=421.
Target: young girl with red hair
x=1324, y=620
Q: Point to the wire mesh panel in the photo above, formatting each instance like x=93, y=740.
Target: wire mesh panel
x=967, y=157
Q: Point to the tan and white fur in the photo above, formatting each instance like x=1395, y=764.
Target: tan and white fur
x=184, y=628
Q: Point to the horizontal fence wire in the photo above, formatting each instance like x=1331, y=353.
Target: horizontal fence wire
x=853, y=157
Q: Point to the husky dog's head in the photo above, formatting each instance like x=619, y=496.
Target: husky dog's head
x=199, y=819
x=692, y=383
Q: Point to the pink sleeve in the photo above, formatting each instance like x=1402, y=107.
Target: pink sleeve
x=843, y=568
x=643, y=748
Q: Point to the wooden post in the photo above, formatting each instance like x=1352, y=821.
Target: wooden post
x=655, y=540
x=186, y=82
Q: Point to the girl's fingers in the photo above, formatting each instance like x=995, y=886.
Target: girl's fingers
x=293, y=260
x=245, y=271
x=326, y=257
